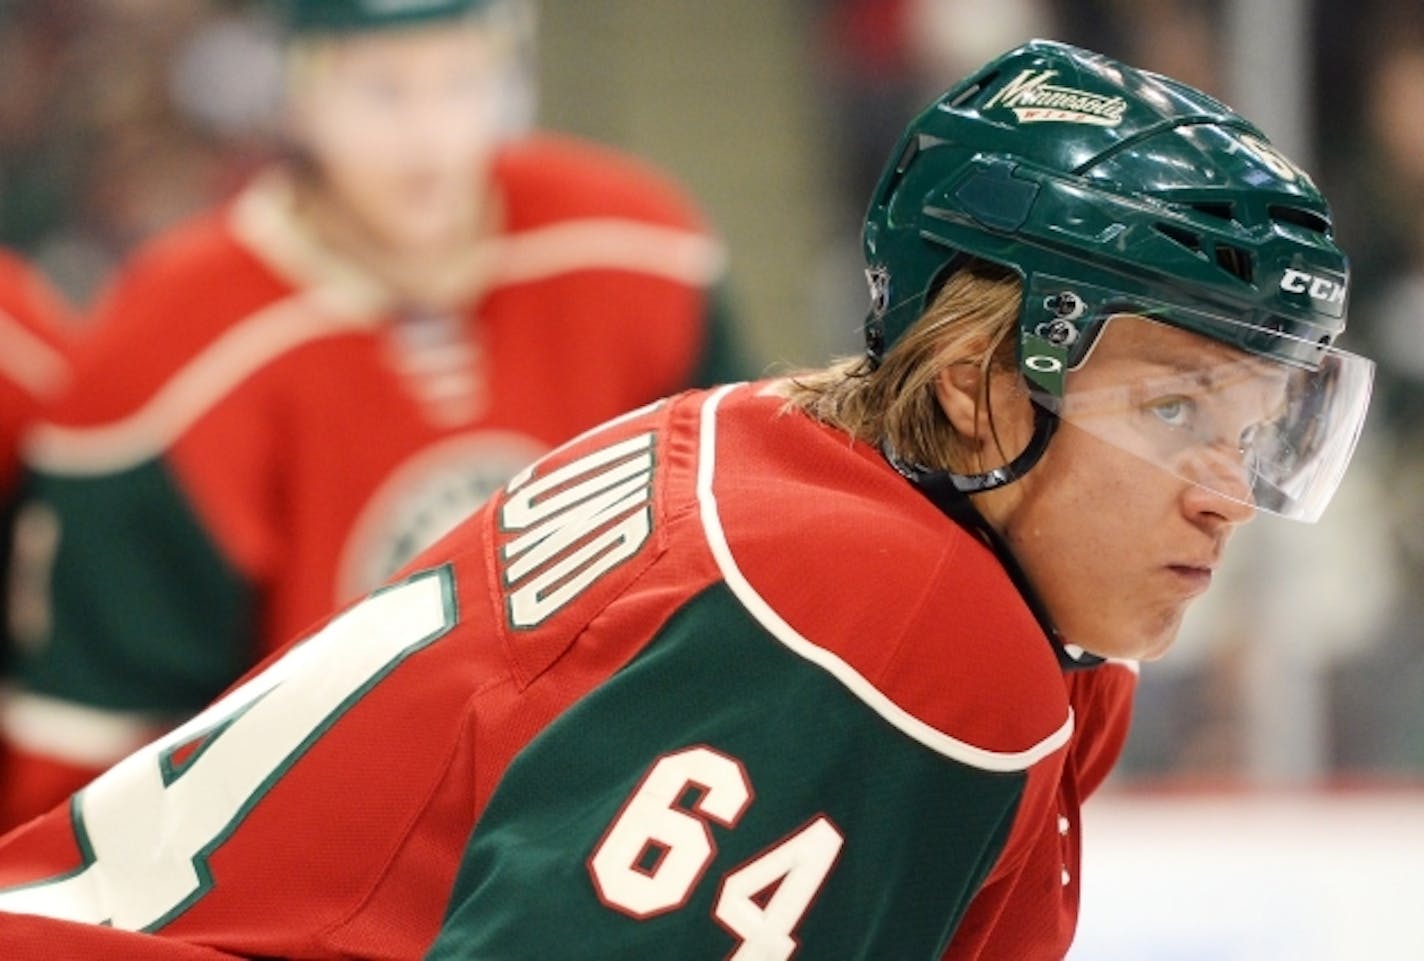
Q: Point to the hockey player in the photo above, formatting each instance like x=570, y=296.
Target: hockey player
x=813, y=668
x=294, y=394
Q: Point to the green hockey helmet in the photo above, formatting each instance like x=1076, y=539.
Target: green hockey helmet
x=337, y=16
x=1115, y=192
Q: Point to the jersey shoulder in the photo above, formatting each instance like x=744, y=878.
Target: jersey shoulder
x=30, y=300
x=575, y=533
x=166, y=306
x=835, y=547
x=38, y=338
x=198, y=262
x=547, y=179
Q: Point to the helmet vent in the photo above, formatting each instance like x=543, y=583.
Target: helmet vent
x=1299, y=217
x=1221, y=211
x=972, y=91
x=1234, y=261
x=1187, y=238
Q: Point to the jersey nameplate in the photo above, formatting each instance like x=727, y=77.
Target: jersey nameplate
x=572, y=526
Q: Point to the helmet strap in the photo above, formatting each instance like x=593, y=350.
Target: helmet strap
x=1044, y=425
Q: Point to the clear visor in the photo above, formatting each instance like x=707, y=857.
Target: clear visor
x=1274, y=435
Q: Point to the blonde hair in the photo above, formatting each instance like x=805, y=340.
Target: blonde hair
x=970, y=321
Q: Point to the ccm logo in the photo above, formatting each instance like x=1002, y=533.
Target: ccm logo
x=1319, y=288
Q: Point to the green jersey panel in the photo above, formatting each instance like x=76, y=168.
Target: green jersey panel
x=144, y=612
x=724, y=356
x=741, y=802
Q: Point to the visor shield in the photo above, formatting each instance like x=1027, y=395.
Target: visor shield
x=1276, y=435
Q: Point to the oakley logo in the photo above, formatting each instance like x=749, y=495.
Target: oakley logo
x=1034, y=100
x=1323, y=289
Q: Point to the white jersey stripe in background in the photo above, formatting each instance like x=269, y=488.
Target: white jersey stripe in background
x=195, y=389
x=72, y=732
x=609, y=244
x=28, y=361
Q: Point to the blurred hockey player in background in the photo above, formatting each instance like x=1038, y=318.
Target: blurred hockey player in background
x=290, y=396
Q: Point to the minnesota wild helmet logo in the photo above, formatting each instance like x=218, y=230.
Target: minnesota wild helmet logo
x=1034, y=100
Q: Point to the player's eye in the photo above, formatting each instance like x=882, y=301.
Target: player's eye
x=1175, y=411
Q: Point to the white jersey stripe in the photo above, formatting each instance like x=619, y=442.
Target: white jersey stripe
x=856, y=683
x=195, y=389
x=27, y=360
x=609, y=244
x=75, y=733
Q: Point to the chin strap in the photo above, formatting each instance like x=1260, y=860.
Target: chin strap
x=949, y=492
x=1044, y=424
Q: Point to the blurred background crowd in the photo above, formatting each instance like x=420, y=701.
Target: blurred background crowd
x=120, y=117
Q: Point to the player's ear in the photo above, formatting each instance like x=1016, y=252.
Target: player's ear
x=959, y=388
x=985, y=409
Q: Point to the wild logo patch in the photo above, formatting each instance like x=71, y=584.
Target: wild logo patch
x=1034, y=100
x=423, y=499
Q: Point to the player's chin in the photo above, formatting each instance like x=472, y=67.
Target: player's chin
x=1147, y=636
x=1158, y=635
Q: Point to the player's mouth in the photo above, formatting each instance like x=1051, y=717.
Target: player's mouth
x=1194, y=579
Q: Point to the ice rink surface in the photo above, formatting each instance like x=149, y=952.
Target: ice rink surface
x=1334, y=876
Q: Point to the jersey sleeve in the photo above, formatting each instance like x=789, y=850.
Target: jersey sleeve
x=37, y=348
x=137, y=622
x=722, y=792
x=128, y=615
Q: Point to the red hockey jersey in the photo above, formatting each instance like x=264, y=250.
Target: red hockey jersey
x=708, y=682
x=262, y=433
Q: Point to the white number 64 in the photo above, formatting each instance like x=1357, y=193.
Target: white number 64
x=655, y=852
